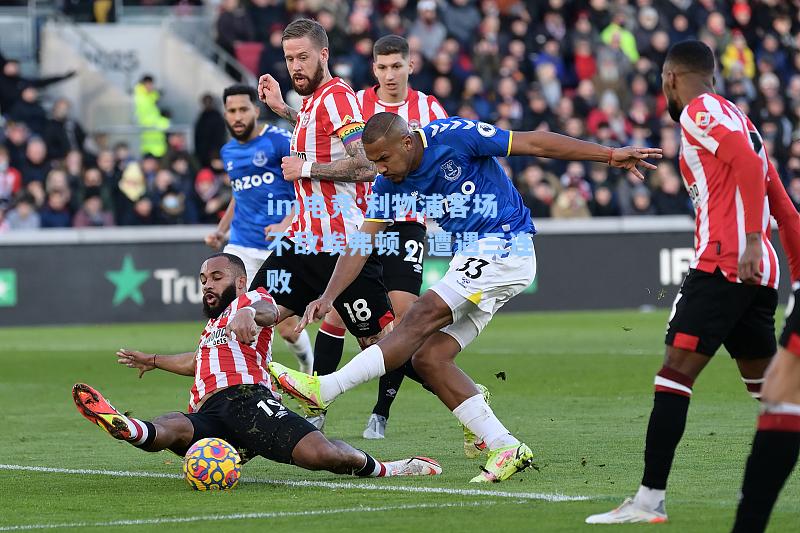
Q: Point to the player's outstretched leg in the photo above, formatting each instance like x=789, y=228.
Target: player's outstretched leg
x=298, y=343
x=776, y=445
x=315, y=393
x=673, y=390
x=315, y=452
x=172, y=430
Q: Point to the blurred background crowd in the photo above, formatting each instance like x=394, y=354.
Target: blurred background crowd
x=585, y=68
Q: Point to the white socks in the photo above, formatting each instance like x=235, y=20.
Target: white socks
x=303, y=351
x=363, y=367
x=476, y=414
x=650, y=499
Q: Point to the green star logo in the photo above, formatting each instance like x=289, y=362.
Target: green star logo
x=127, y=282
x=8, y=288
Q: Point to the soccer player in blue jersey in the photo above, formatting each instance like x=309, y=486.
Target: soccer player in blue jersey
x=447, y=160
x=262, y=203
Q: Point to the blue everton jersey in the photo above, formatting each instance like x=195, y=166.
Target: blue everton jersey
x=459, y=172
x=262, y=195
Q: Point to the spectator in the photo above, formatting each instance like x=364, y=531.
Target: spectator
x=92, y=184
x=73, y=166
x=738, y=57
x=62, y=132
x=617, y=32
x=474, y=96
x=149, y=118
x=29, y=111
x=91, y=213
x=570, y=203
x=233, y=26
x=107, y=167
x=23, y=216
x=211, y=196
x=131, y=206
x=461, y=18
x=603, y=204
x=262, y=15
x=537, y=191
x=641, y=202
x=56, y=212
x=12, y=83
x=670, y=197
x=35, y=166
x=169, y=200
x=16, y=143
x=427, y=29
x=10, y=180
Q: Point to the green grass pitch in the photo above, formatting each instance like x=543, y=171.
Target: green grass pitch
x=578, y=390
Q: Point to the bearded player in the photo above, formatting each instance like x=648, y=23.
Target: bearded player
x=262, y=200
x=232, y=396
x=331, y=176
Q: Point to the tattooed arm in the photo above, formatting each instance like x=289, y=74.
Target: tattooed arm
x=353, y=168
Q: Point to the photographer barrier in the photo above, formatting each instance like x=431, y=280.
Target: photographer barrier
x=150, y=274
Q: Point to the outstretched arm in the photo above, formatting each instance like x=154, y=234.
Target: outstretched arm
x=555, y=146
x=348, y=267
x=181, y=364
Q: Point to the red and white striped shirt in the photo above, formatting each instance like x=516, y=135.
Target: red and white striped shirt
x=418, y=109
x=222, y=362
x=719, y=225
x=327, y=115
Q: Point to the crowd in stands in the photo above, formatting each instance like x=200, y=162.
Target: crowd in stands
x=586, y=68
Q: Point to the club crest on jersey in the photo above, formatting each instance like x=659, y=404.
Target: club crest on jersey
x=486, y=130
x=229, y=166
x=414, y=124
x=305, y=120
x=702, y=119
x=450, y=170
x=260, y=159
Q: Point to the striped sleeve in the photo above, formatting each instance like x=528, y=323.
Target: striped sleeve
x=251, y=297
x=436, y=109
x=344, y=116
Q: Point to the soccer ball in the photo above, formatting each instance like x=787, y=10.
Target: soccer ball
x=212, y=464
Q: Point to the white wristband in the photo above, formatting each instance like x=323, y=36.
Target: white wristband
x=305, y=172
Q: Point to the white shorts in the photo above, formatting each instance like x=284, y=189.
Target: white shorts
x=251, y=257
x=477, y=285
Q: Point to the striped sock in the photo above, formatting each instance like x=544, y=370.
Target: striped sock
x=754, y=386
x=142, y=432
x=673, y=390
x=776, y=447
x=372, y=467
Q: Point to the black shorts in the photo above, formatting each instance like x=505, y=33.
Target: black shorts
x=790, y=336
x=252, y=421
x=711, y=311
x=295, y=280
x=403, y=272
